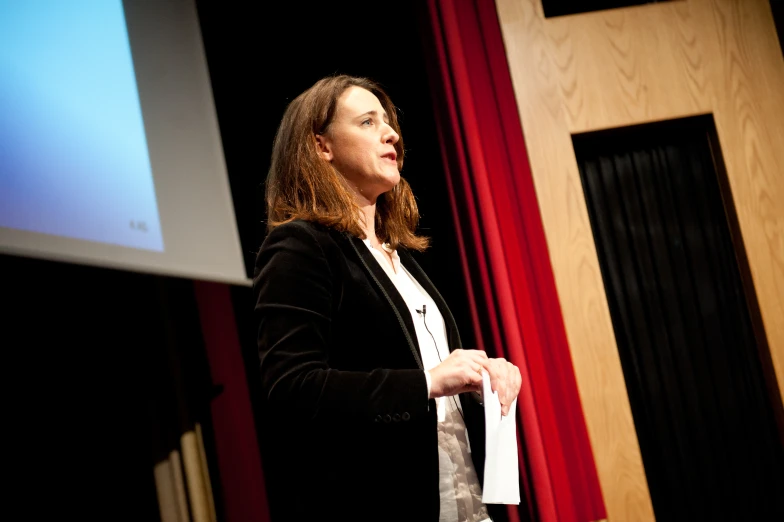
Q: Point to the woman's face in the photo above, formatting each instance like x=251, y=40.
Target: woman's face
x=360, y=144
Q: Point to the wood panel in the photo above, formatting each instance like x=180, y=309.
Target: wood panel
x=627, y=66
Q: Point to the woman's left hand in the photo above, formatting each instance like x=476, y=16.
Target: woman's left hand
x=505, y=379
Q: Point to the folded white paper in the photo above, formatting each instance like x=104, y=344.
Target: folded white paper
x=502, y=479
x=441, y=408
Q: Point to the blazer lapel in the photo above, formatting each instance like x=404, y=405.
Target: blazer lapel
x=415, y=270
x=388, y=290
x=453, y=334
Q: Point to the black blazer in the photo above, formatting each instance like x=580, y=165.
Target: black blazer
x=347, y=430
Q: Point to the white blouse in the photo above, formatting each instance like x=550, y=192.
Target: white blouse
x=460, y=491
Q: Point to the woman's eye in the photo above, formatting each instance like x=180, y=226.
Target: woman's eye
x=367, y=122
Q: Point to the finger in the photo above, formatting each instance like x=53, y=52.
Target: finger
x=456, y=355
x=507, y=392
x=481, y=364
x=477, y=355
x=509, y=379
x=486, y=364
x=502, y=382
x=495, y=382
x=510, y=386
x=502, y=377
x=517, y=380
x=475, y=380
x=503, y=399
x=460, y=354
x=472, y=366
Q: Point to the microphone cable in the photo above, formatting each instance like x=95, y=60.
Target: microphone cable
x=423, y=313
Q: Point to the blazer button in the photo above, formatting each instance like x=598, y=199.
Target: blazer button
x=387, y=418
x=378, y=418
x=406, y=416
x=396, y=417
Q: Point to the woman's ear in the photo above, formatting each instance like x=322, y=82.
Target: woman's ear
x=324, y=147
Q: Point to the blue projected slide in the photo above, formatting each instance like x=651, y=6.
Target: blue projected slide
x=73, y=153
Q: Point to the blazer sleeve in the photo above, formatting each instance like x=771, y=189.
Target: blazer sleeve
x=294, y=311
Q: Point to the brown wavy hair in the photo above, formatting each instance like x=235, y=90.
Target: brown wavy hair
x=302, y=185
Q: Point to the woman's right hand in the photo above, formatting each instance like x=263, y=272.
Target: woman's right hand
x=461, y=372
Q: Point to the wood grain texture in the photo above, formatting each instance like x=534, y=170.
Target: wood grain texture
x=627, y=66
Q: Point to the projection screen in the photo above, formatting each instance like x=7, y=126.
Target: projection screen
x=110, y=151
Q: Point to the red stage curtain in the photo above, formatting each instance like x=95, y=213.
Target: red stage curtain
x=514, y=303
x=239, y=461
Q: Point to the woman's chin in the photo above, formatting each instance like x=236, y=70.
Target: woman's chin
x=381, y=185
x=392, y=181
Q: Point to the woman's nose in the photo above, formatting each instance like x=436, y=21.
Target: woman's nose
x=391, y=136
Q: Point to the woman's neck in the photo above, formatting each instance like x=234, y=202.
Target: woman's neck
x=369, y=221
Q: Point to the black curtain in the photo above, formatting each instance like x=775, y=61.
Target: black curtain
x=103, y=372
x=684, y=323
x=567, y=7
x=777, y=9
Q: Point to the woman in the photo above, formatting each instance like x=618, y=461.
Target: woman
x=372, y=410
